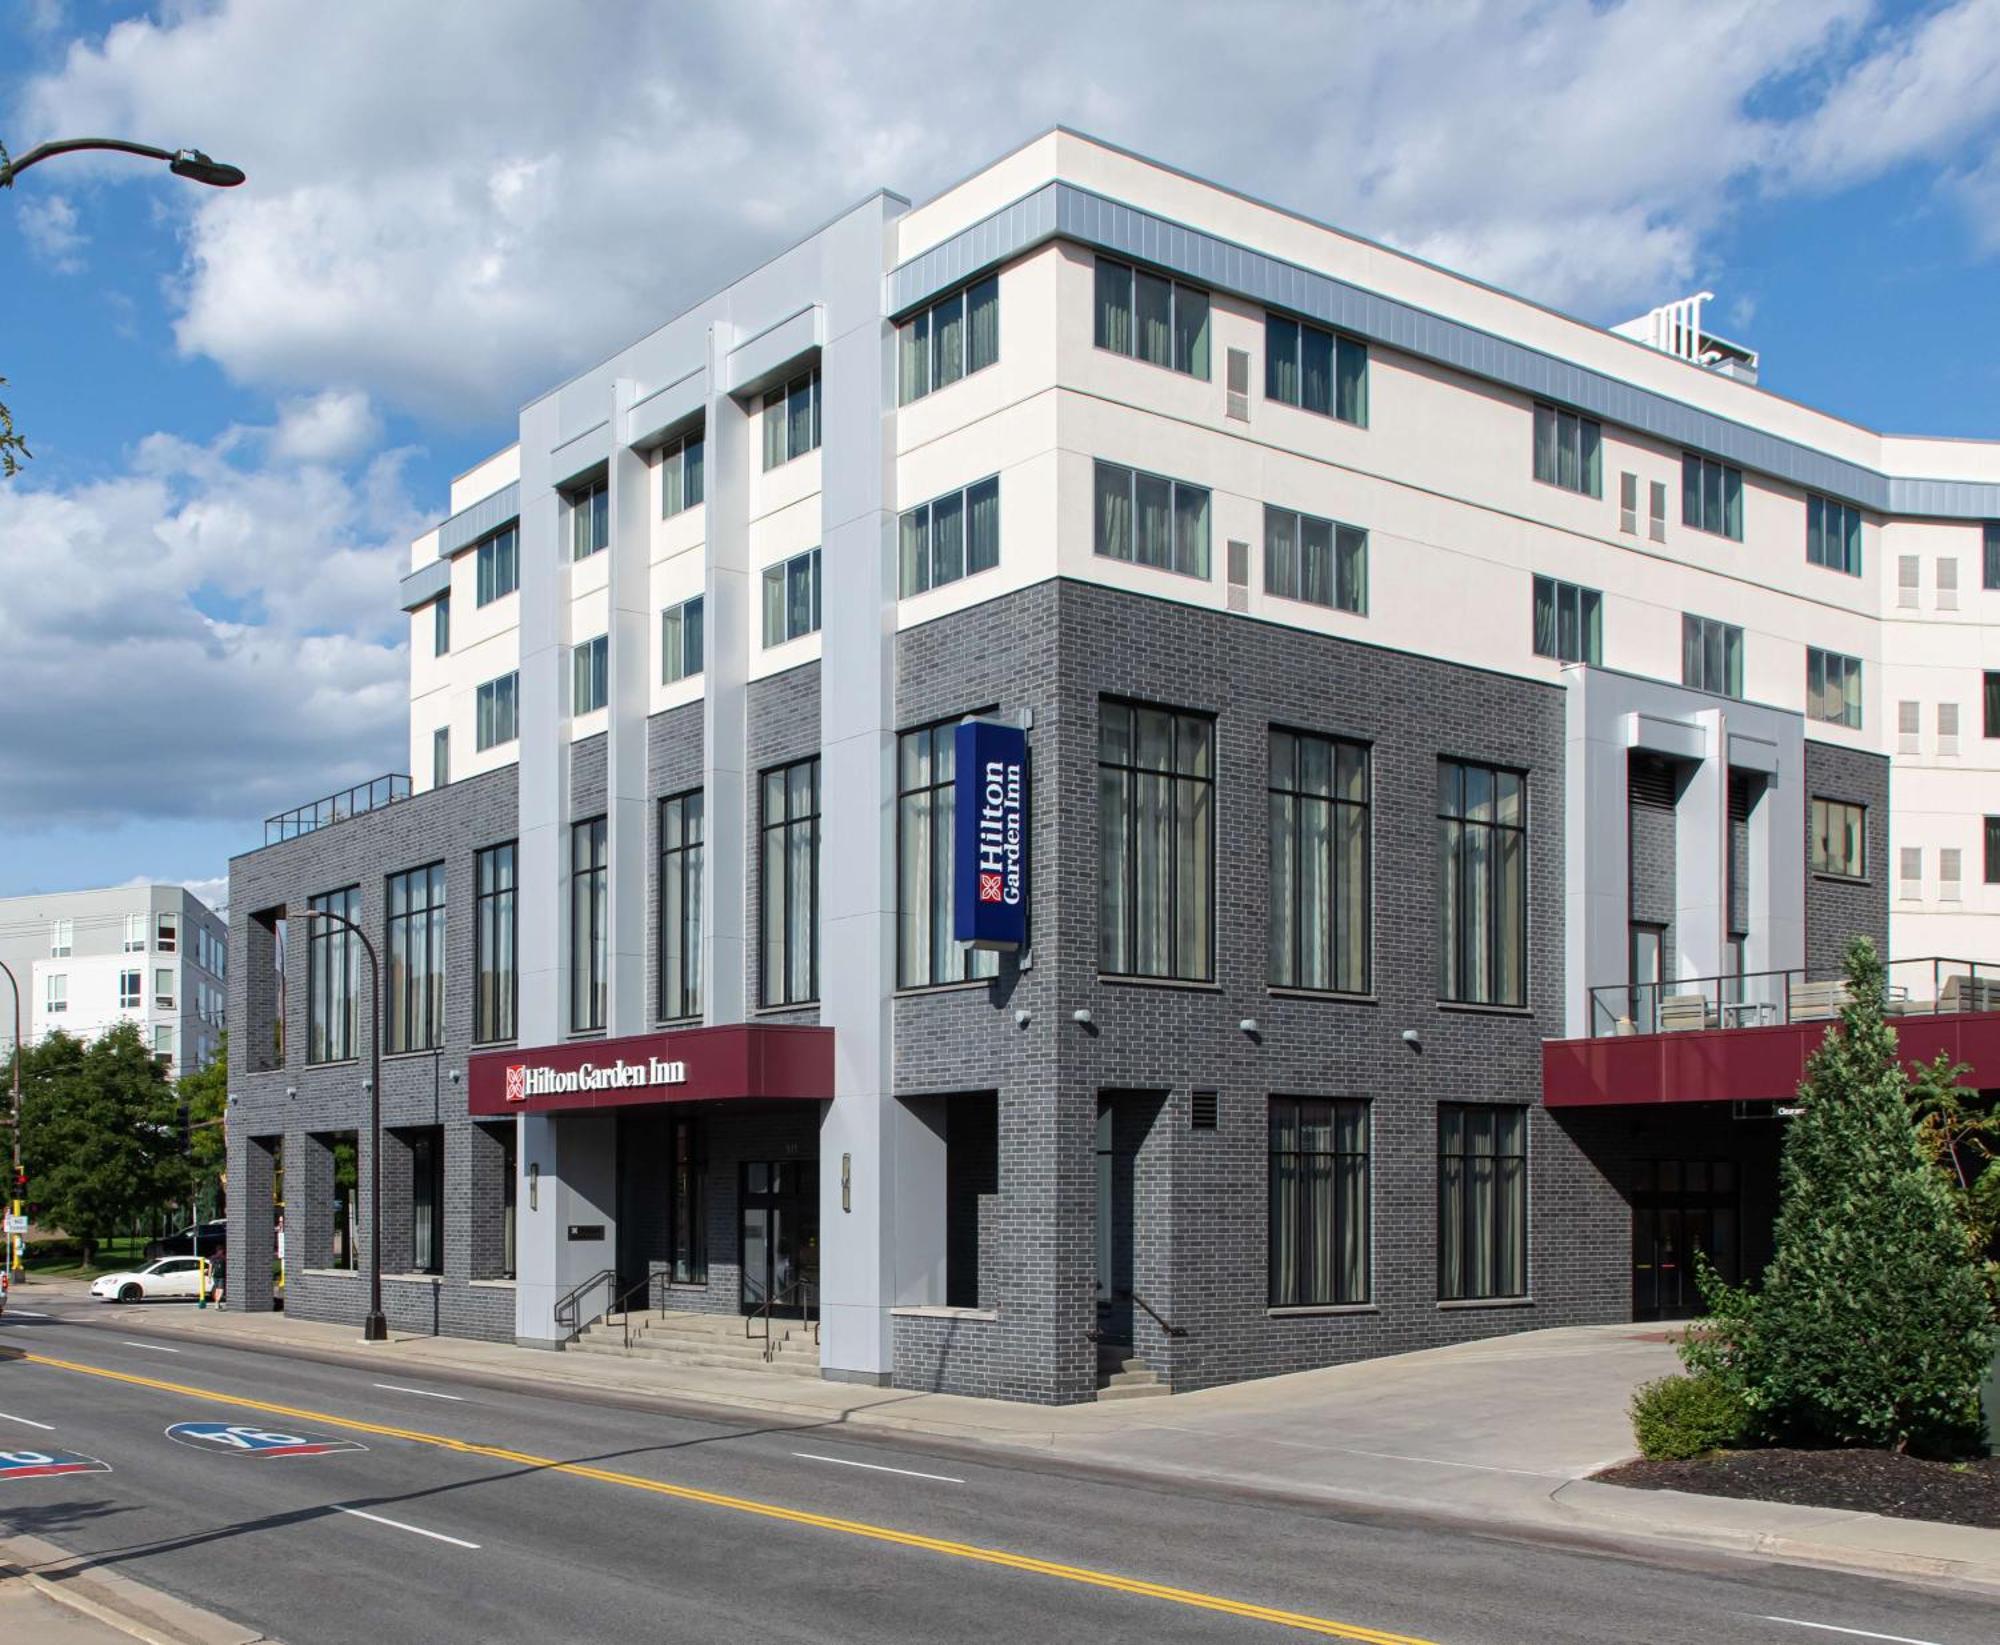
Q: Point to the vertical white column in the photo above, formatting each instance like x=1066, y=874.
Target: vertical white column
x=1701, y=855
x=625, y=800
x=725, y=676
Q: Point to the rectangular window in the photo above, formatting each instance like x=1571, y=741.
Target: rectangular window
x=498, y=568
x=1711, y=656
x=1711, y=496
x=1947, y=728
x=589, y=519
x=1319, y=561
x=1320, y=848
x=441, y=625
x=1947, y=585
x=1993, y=850
x=131, y=990
x=1568, y=450
x=791, y=419
x=1155, y=842
x=1990, y=558
x=1909, y=577
x=681, y=835
x=1910, y=873
x=1839, y=839
x=440, y=756
x=497, y=712
x=953, y=338
x=1833, y=687
x=791, y=598
x=590, y=675
x=1569, y=622
x=1628, y=502
x=333, y=978
x=589, y=931
x=686, y=1231
x=496, y=978
x=135, y=933
x=1152, y=318
x=1319, y=1203
x=427, y=1201
x=1315, y=370
x=163, y=1042
x=926, y=811
x=62, y=937
x=790, y=874
x=1948, y=861
x=163, y=988
x=681, y=476
x=1909, y=727
x=956, y=535
x=55, y=991
x=1482, y=884
x=1152, y=521
x=1833, y=535
x=681, y=640
x=1656, y=519
x=413, y=1013
x=1990, y=702
x=167, y=932
x=1482, y=1201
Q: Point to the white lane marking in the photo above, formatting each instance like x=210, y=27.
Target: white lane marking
x=877, y=1468
x=1856, y=1633
x=24, y=1313
x=397, y=1524
x=158, y=1348
x=46, y=1427
x=398, y=1388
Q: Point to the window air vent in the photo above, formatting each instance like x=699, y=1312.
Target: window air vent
x=1202, y=1111
x=1239, y=384
x=1744, y=787
x=1239, y=576
x=1650, y=781
x=1628, y=502
x=1909, y=569
x=1947, y=585
x=1909, y=721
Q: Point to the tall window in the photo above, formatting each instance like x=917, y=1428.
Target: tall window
x=55, y=991
x=1319, y=561
x=687, y=1241
x=791, y=883
x=1839, y=839
x=62, y=936
x=1155, y=842
x=791, y=419
x=1482, y=884
x=130, y=990
x=953, y=338
x=590, y=675
x=1833, y=535
x=1152, y=521
x=956, y=535
x=1315, y=370
x=496, y=977
x=414, y=1018
x=791, y=598
x=1319, y=1202
x=1152, y=318
x=333, y=978
x=167, y=932
x=589, y=934
x=1993, y=850
x=681, y=824
x=926, y=811
x=681, y=640
x=163, y=987
x=497, y=711
x=1569, y=621
x=1833, y=687
x=135, y=933
x=1711, y=496
x=440, y=756
x=1711, y=656
x=1482, y=1201
x=1990, y=558
x=1319, y=863
x=1569, y=451
x=589, y=519
x=681, y=478
x=441, y=625
x=427, y=1201
x=498, y=567
x=1990, y=698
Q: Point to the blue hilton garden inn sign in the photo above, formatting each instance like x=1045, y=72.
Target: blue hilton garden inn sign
x=990, y=902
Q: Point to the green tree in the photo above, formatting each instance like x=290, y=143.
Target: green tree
x=1960, y=1131
x=205, y=1093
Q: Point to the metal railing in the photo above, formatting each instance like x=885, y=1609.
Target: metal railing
x=1915, y=987
x=1095, y=1333
x=569, y=1306
x=803, y=1294
x=372, y=795
x=622, y=1306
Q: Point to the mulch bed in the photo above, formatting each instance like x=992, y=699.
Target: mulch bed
x=1876, y=1482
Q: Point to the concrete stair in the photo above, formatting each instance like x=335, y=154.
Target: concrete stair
x=706, y=1342
x=1120, y=1376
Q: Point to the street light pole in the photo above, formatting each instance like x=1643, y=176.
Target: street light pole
x=189, y=163
x=14, y=1241
x=375, y=1328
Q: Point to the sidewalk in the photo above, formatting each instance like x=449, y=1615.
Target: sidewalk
x=45, y=1598
x=1486, y=1435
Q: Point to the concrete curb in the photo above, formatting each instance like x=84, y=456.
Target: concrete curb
x=116, y=1600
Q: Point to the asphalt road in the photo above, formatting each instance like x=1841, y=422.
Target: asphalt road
x=483, y=1514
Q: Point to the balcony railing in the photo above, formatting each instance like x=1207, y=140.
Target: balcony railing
x=350, y=802
x=1917, y=987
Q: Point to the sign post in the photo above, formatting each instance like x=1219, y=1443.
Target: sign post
x=990, y=843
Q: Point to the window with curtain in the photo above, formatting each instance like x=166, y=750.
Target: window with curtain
x=1315, y=369
x=791, y=598
x=1151, y=521
x=1319, y=561
x=1711, y=656
x=1711, y=496
x=589, y=932
x=1482, y=1201
x=681, y=640
x=953, y=536
x=1569, y=621
x=589, y=519
x=926, y=810
x=427, y=1201
x=413, y=1015
x=1991, y=699
x=1833, y=535
x=1319, y=1203
x=1156, y=842
x=590, y=675
x=1320, y=848
x=441, y=757
x=498, y=564
x=1482, y=884
x=952, y=338
x=791, y=419
x=681, y=836
x=1833, y=687
x=333, y=978
x=1990, y=557
x=1839, y=839
x=790, y=883
x=1150, y=317
x=441, y=625
x=1568, y=450
x=496, y=718
x=1993, y=850
x=496, y=977
x=681, y=475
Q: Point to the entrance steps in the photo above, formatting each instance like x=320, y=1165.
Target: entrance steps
x=706, y=1342
x=1120, y=1376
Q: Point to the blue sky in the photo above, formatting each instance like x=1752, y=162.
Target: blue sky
x=242, y=405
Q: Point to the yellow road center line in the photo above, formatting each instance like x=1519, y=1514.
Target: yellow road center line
x=768, y=1510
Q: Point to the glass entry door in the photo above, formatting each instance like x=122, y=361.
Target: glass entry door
x=1647, y=941
x=779, y=1219
x=1114, y=1229
x=1680, y=1207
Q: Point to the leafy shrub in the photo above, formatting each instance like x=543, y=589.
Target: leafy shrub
x=1686, y=1416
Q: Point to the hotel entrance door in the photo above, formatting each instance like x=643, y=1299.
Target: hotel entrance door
x=779, y=1221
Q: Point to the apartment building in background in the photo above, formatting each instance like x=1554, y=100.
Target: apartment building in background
x=1440, y=749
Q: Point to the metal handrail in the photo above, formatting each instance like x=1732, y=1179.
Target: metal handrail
x=573, y=1300
x=763, y=1311
x=1095, y=1333
x=622, y=1305
x=372, y=795
x=1926, y=986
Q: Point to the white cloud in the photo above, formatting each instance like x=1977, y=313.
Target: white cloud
x=321, y=428
x=49, y=225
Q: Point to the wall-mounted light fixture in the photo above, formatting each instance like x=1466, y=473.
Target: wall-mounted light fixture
x=847, y=1182
x=1081, y=1016
x=1021, y=1017
x=1249, y=1026
x=1412, y=1039
x=534, y=1186
x=291, y=1090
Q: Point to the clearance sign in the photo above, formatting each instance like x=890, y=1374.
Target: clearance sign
x=990, y=901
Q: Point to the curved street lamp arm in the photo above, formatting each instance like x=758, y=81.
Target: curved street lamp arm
x=189, y=163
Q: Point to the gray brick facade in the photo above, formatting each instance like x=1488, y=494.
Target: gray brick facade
x=1840, y=909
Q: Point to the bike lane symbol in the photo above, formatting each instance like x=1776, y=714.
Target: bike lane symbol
x=43, y=1464
x=247, y=1439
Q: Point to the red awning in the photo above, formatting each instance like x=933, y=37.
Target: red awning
x=733, y=1062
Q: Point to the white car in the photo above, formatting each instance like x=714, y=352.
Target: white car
x=169, y=1277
